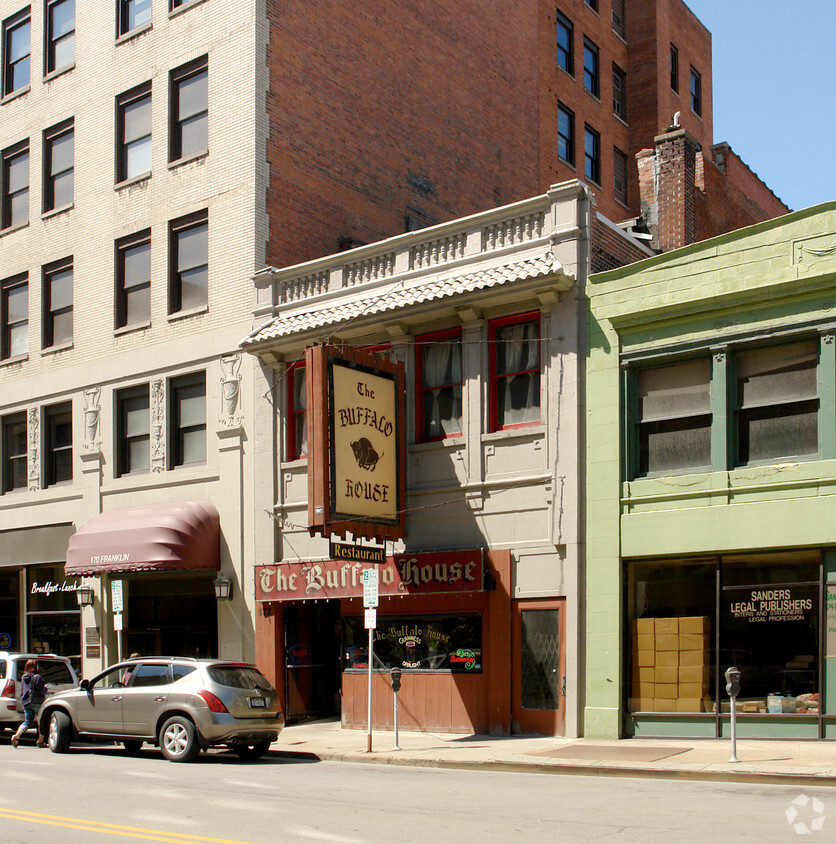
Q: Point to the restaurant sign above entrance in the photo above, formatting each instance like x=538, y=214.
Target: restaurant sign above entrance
x=405, y=574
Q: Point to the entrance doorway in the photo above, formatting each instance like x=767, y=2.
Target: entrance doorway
x=539, y=667
x=312, y=665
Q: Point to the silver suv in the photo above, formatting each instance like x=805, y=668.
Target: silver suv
x=57, y=672
x=181, y=704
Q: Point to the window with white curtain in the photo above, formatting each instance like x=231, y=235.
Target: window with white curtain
x=515, y=371
x=439, y=395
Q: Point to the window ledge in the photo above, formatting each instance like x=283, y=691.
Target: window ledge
x=534, y=428
x=566, y=73
x=129, y=329
x=134, y=181
x=60, y=347
x=567, y=163
x=14, y=360
x=53, y=74
x=595, y=97
x=179, y=162
x=621, y=120
x=128, y=36
x=453, y=441
x=13, y=95
x=184, y=8
x=17, y=228
x=54, y=212
x=201, y=309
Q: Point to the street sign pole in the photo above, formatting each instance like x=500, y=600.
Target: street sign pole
x=370, y=602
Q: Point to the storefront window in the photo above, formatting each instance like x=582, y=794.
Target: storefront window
x=9, y=606
x=770, y=631
x=768, y=625
x=672, y=635
x=52, y=613
x=416, y=643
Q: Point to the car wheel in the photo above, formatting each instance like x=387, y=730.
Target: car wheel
x=132, y=747
x=250, y=752
x=178, y=740
x=60, y=732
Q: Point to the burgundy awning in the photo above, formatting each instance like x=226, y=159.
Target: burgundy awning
x=161, y=537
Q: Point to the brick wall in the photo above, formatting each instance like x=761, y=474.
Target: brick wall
x=609, y=248
x=407, y=107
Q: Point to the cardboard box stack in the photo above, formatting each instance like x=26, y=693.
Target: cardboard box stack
x=670, y=664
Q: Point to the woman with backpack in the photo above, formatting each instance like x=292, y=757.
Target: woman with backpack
x=33, y=692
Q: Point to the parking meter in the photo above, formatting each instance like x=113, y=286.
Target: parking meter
x=733, y=690
x=733, y=681
x=396, y=679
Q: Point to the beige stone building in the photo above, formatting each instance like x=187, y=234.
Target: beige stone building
x=131, y=179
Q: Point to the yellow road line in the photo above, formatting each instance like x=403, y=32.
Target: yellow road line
x=110, y=828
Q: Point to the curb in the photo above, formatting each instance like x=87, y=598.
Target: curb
x=508, y=766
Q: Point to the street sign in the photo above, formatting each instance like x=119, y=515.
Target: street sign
x=117, y=622
x=116, y=596
x=371, y=619
x=370, y=588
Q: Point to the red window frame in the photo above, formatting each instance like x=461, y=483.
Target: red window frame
x=294, y=414
x=532, y=316
x=420, y=391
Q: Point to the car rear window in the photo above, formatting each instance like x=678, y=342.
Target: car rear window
x=51, y=670
x=3, y=664
x=238, y=677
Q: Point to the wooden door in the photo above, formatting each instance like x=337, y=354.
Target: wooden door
x=539, y=667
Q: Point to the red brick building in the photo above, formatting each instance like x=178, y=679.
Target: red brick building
x=398, y=121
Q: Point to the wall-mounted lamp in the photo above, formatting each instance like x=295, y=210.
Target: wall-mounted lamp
x=266, y=609
x=223, y=588
x=84, y=595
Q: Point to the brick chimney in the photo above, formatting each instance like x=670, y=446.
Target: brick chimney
x=667, y=188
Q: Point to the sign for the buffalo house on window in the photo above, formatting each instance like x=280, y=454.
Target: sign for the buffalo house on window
x=356, y=448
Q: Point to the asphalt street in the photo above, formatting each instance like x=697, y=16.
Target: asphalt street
x=101, y=794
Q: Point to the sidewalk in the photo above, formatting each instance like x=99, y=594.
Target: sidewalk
x=779, y=762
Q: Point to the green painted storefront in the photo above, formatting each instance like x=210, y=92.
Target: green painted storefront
x=711, y=486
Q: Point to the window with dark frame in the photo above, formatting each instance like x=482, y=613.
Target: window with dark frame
x=17, y=46
x=15, y=186
x=133, y=280
x=592, y=155
x=133, y=431
x=187, y=408
x=60, y=35
x=619, y=175
x=770, y=413
x=14, y=317
x=58, y=303
x=133, y=14
x=189, y=263
x=674, y=68
x=58, y=444
x=297, y=411
x=618, y=18
x=438, y=395
x=777, y=402
x=591, y=78
x=514, y=352
x=59, y=152
x=674, y=418
x=593, y=4
x=566, y=134
x=565, y=46
x=619, y=92
x=189, y=110
x=15, y=467
x=176, y=4
x=133, y=133
x=696, y=91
